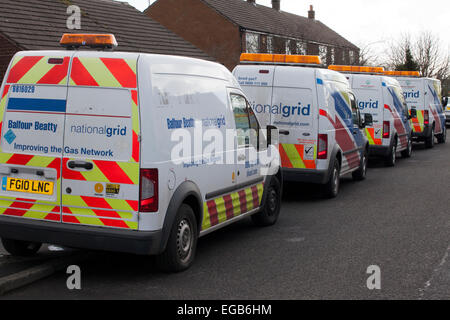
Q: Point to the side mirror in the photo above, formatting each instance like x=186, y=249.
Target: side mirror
x=368, y=120
x=444, y=101
x=413, y=113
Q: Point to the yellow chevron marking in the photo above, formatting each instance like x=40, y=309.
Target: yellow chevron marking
x=100, y=73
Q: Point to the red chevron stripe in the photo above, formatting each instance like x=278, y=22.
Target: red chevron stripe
x=255, y=197
x=5, y=91
x=135, y=152
x=229, y=206
x=212, y=210
x=121, y=71
x=80, y=75
x=56, y=164
x=20, y=159
x=285, y=161
x=55, y=215
x=68, y=216
x=243, y=201
x=56, y=74
x=113, y=172
x=134, y=96
x=18, y=209
x=21, y=68
x=133, y=204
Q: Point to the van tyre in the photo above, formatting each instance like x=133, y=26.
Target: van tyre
x=442, y=138
x=408, y=151
x=182, y=244
x=429, y=142
x=21, y=248
x=392, y=156
x=268, y=216
x=361, y=173
x=332, y=187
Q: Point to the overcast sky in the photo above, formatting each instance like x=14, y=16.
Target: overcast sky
x=366, y=22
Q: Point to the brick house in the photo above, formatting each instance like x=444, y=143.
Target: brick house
x=226, y=28
x=39, y=24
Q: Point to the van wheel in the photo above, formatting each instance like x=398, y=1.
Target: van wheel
x=392, y=156
x=182, y=244
x=332, y=187
x=429, y=142
x=361, y=173
x=442, y=138
x=268, y=216
x=408, y=151
x=21, y=248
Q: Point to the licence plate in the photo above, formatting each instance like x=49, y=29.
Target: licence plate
x=27, y=186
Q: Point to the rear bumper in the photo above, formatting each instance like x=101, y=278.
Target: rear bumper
x=422, y=135
x=305, y=175
x=379, y=151
x=83, y=237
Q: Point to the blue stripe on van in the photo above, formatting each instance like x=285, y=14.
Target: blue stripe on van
x=319, y=81
x=47, y=105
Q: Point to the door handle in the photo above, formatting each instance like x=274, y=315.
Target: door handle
x=80, y=164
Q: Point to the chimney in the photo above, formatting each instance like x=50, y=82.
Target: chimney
x=311, y=13
x=251, y=1
x=276, y=4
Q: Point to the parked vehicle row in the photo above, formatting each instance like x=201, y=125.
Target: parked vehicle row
x=145, y=153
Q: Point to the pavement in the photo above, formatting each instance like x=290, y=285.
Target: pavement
x=398, y=219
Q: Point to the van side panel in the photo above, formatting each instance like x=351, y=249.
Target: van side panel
x=434, y=97
x=32, y=107
x=102, y=128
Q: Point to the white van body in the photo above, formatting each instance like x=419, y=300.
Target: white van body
x=317, y=109
x=88, y=139
x=447, y=112
x=425, y=95
x=383, y=98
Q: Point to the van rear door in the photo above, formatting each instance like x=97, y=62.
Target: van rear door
x=294, y=109
x=32, y=109
x=100, y=167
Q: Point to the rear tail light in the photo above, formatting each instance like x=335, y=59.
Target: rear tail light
x=322, y=153
x=426, y=117
x=386, y=129
x=148, y=195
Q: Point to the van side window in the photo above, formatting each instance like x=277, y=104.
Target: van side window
x=355, y=110
x=254, y=125
x=241, y=119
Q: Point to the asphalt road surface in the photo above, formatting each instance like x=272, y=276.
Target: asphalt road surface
x=398, y=219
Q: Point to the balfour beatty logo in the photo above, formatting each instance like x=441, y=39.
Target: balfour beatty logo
x=284, y=110
x=411, y=94
x=368, y=104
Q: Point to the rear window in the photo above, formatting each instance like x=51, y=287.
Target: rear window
x=98, y=124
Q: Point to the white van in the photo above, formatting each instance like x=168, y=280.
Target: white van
x=424, y=95
x=382, y=97
x=316, y=112
x=96, y=153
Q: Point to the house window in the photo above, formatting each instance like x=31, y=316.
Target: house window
x=269, y=44
x=323, y=54
x=331, y=56
x=252, y=42
x=301, y=47
x=288, y=47
x=352, y=57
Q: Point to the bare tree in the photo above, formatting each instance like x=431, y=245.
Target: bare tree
x=433, y=60
x=368, y=54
